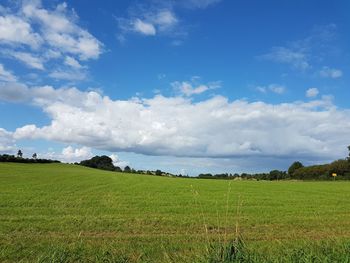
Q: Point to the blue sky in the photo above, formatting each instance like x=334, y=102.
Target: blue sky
x=184, y=86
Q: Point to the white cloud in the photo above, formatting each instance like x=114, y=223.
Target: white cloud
x=28, y=59
x=117, y=162
x=36, y=36
x=7, y=143
x=193, y=87
x=333, y=73
x=6, y=75
x=70, y=61
x=275, y=88
x=199, y=3
x=144, y=28
x=165, y=19
x=60, y=31
x=304, y=54
x=68, y=75
x=13, y=92
x=296, y=58
x=312, y=92
x=70, y=154
x=15, y=30
x=177, y=126
x=150, y=23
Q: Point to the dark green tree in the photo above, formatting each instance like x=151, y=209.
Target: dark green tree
x=349, y=153
x=118, y=169
x=295, y=166
x=100, y=162
x=127, y=169
x=159, y=172
x=19, y=154
x=34, y=156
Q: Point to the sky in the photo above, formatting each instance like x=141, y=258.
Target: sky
x=186, y=86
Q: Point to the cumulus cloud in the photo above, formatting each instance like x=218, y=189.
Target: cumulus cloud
x=13, y=92
x=7, y=143
x=177, y=126
x=312, y=92
x=70, y=154
x=333, y=73
x=117, y=162
x=6, y=75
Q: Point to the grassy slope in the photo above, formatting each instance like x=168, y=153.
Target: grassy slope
x=47, y=208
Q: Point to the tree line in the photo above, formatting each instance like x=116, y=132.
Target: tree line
x=106, y=163
x=20, y=159
x=339, y=169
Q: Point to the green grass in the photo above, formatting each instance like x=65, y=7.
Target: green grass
x=67, y=213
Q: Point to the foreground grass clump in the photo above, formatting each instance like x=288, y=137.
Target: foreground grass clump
x=67, y=213
x=317, y=252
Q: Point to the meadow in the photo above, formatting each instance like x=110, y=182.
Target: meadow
x=69, y=213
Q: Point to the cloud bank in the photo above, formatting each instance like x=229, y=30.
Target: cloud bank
x=177, y=126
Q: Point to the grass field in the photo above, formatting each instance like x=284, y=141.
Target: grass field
x=67, y=213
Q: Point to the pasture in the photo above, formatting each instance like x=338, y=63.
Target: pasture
x=68, y=213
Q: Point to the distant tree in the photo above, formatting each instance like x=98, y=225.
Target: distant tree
x=127, y=169
x=295, y=166
x=100, y=162
x=19, y=154
x=158, y=172
x=349, y=153
x=275, y=175
x=118, y=169
x=339, y=167
x=34, y=156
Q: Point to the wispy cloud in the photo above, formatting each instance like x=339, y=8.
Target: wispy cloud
x=275, y=88
x=197, y=3
x=42, y=38
x=149, y=22
x=14, y=29
x=298, y=59
x=194, y=87
x=144, y=27
x=73, y=75
x=333, y=73
x=158, y=18
x=28, y=59
x=306, y=54
x=6, y=75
